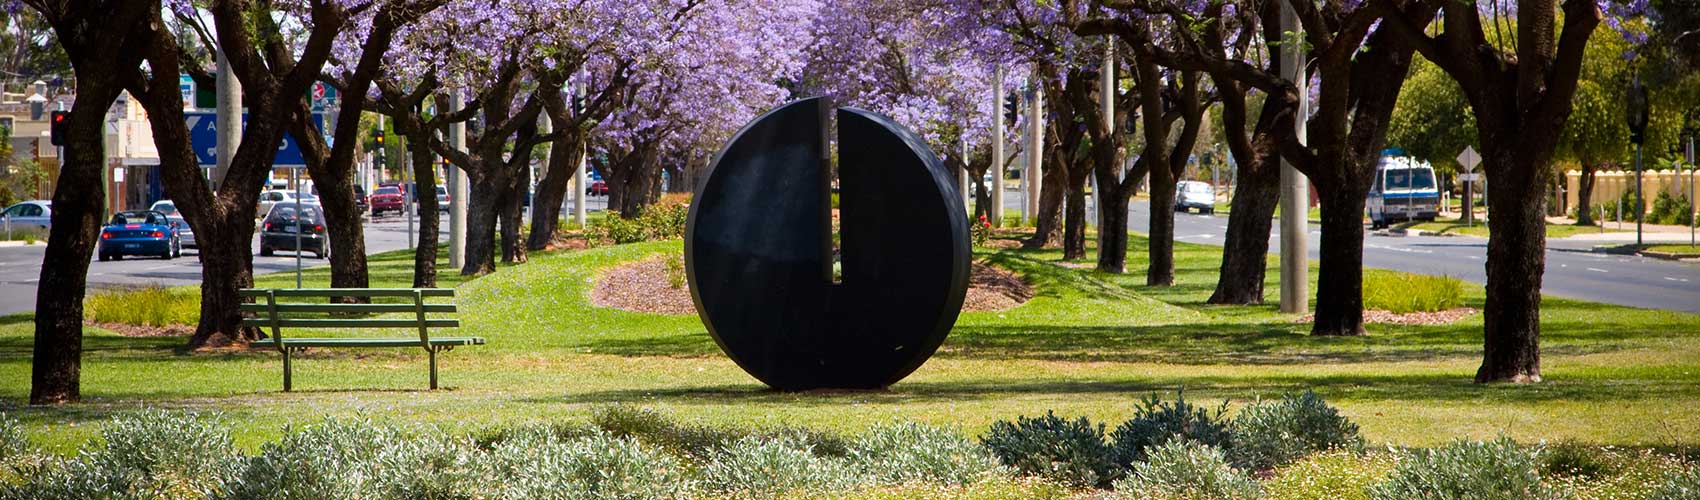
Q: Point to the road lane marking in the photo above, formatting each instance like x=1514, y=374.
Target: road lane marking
x=156, y=268
x=1474, y=257
x=1682, y=280
x=1598, y=270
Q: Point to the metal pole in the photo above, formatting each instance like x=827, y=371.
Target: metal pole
x=229, y=92
x=295, y=176
x=409, y=197
x=995, y=215
x=962, y=182
x=1640, y=207
x=1295, y=188
x=457, y=191
x=1693, y=203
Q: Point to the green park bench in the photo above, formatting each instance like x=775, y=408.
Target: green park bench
x=271, y=314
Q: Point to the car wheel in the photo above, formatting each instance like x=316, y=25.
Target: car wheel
x=265, y=251
x=105, y=257
x=117, y=256
x=322, y=252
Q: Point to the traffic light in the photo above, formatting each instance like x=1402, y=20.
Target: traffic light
x=379, y=137
x=60, y=127
x=1011, y=105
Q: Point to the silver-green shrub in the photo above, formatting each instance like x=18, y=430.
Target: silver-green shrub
x=1269, y=434
x=761, y=467
x=13, y=443
x=908, y=452
x=147, y=455
x=431, y=464
x=336, y=458
x=1071, y=452
x=1468, y=470
x=1186, y=469
x=1678, y=485
x=1157, y=422
x=593, y=467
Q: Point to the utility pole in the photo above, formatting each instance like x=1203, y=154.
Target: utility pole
x=1035, y=149
x=995, y=215
x=229, y=91
x=1107, y=109
x=1295, y=188
x=545, y=126
x=580, y=189
x=457, y=191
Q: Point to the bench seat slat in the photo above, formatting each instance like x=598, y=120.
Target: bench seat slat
x=368, y=342
x=351, y=323
x=348, y=292
x=260, y=308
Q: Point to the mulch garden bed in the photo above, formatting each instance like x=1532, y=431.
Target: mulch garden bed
x=646, y=286
x=1380, y=317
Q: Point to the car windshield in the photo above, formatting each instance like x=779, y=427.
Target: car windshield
x=287, y=213
x=136, y=218
x=1197, y=187
x=387, y=190
x=442, y=190
x=1409, y=179
x=165, y=207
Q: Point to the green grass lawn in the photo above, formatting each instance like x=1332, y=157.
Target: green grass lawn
x=1089, y=344
x=1480, y=228
x=1677, y=249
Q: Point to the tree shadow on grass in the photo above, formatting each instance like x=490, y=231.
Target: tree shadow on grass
x=1428, y=388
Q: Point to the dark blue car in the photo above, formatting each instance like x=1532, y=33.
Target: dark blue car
x=139, y=232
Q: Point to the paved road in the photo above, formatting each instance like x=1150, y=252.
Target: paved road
x=20, y=266
x=1571, y=271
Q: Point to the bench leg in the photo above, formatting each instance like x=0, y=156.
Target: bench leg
x=286, y=379
x=433, y=368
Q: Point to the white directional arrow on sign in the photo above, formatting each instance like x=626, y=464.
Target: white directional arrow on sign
x=1469, y=159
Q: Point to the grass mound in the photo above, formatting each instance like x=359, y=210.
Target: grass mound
x=1407, y=293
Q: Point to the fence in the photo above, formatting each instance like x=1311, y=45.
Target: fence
x=1610, y=185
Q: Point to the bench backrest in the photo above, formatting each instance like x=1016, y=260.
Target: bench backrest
x=271, y=313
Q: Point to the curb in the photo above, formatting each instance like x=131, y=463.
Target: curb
x=1669, y=256
x=1410, y=232
x=7, y=244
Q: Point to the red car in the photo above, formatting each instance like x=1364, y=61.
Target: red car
x=597, y=188
x=386, y=198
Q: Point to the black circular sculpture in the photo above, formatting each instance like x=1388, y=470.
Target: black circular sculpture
x=760, y=261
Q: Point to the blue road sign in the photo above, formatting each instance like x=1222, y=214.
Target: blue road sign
x=203, y=138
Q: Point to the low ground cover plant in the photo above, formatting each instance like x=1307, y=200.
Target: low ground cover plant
x=151, y=305
x=623, y=452
x=1407, y=293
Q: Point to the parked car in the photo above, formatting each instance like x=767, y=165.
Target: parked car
x=185, y=234
x=36, y=214
x=442, y=199
x=274, y=197
x=167, y=207
x=597, y=188
x=139, y=232
x=387, y=198
x=359, y=195
x=279, y=230
x=1195, y=194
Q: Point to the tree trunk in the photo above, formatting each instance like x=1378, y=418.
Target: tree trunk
x=1516, y=259
x=1074, y=221
x=56, y=366
x=347, y=236
x=1048, y=222
x=1340, y=280
x=227, y=266
x=1584, y=195
x=1246, y=249
x=1161, y=271
x=564, y=159
x=1112, y=230
x=483, y=203
x=425, y=253
x=512, y=217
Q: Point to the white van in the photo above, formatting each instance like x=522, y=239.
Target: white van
x=1404, y=189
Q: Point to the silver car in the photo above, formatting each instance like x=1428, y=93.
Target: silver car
x=185, y=234
x=33, y=214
